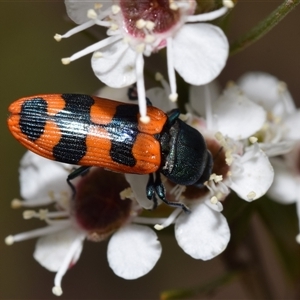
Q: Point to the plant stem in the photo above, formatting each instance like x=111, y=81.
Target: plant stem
x=264, y=26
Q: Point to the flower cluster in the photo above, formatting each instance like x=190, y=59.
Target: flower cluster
x=250, y=130
x=197, y=51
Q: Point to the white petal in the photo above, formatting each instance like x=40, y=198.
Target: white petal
x=199, y=52
x=160, y=99
x=116, y=67
x=237, y=116
x=51, y=249
x=114, y=94
x=292, y=125
x=133, y=251
x=255, y=176
x=77, y=10
x=284, y=188
x=203, y=234
x=275, y=149
x=266, y=90
x=41, y=178
x=138, y=184
x=199, y=94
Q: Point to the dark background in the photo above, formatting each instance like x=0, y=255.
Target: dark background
x=30, y=64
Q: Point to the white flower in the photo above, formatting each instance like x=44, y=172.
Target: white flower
x=197, y=51
x=286, y=185
x=280, y=130
x=95, y=213
x=230, y=121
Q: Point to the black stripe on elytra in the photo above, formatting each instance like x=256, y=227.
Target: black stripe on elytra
x=33, y=116
x=73, y=122
x=123, y=130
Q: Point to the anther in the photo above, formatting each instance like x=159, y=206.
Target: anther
x=214, y=200
x=228, y=3
x=57, y=290
x=91, y=14
x=115, y=9
x=141, y=23
x=57, y=37
x=158, y=227
x=98, y=5
x=253, y=139
x=149, y=38
x=251, y=195
x=145, y=119
x=173, y=97
x=9, y=240
x=65, y=61
x=150, y=25
x=16, y=203
x=29, y=214
x=126, y=194
x=98, y=54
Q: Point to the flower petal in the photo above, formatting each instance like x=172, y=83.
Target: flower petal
x=237, y=116
x=133, y=251
x=285, y=187
x=203, y=234
x=77, y=10
x=200, y=52
x=292, y=125
x=51, y=249
x=116, y=66
x=113, y=93
x=199, y=94
x=254, y=176
x=160, y=99
x=267, y=91
x=138, y=184
x=42, y=179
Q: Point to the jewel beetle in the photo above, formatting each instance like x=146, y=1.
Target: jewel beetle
x=90, y=131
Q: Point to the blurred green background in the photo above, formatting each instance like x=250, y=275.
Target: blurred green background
x=30, y=64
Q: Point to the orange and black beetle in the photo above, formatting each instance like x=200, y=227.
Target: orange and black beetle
x=91, y=131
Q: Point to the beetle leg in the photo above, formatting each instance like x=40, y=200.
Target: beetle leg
x=150, y=190
x=161, y=192
x=81, y=171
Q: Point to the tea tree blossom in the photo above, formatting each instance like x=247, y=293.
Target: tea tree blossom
x=280, y=130
x=197, y=51
x=285, y=188
x=231, y=121
x=95, y=213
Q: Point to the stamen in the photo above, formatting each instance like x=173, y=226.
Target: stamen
x=251, y=195
x=150, y=25
x=298, y=238
x=228, y=3
x=57, y=290
x=98, y=54
x=171, y=71
x=126, y=194
x=75, y=30
x=91, y=49
x=170, y=220
x=141, y=23
x=34, y=233
x=98, y=6
x=253, y=139
x=173, y=6
x=91, y=14
x=16, y=203
x=208, y=16
x=159, y=77
x=115, y=9
x=139, y=68
x=149, y=38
